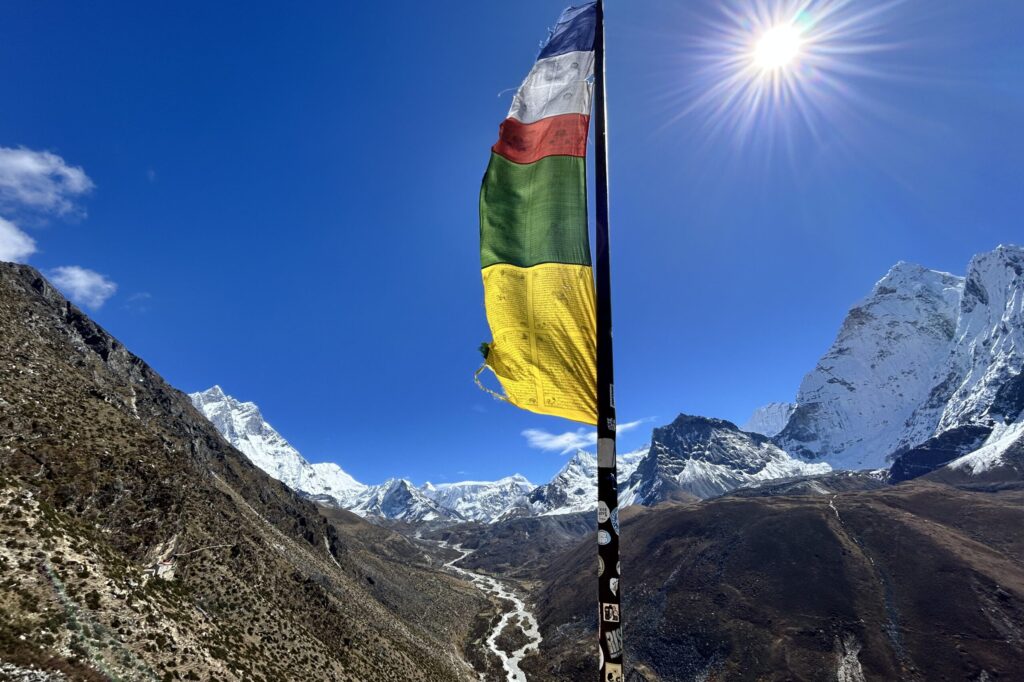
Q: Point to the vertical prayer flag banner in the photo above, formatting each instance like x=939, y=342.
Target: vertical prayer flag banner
x=534, y=243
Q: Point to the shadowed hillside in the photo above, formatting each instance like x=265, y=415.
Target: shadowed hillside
x=137, y=544
x=914, y=582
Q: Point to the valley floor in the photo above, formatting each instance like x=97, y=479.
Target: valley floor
x=516, y=623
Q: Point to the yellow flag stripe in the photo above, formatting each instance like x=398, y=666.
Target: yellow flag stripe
x=543, y=323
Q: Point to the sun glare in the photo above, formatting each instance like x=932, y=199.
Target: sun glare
x=769, y=70
x=777, y=47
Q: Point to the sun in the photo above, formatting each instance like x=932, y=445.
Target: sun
x=766, y=73
x=777, y=47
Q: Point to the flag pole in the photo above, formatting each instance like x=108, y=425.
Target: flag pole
x=609, y=586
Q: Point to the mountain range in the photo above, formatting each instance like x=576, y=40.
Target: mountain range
x=153, y=535
x=692, y=457
x=243, y=425
x=924, y=374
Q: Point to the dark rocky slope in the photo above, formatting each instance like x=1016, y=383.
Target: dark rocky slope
x=518, y=547
x=914, y=582
x=137, y=544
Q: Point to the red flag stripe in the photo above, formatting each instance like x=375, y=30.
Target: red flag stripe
x=564, y=135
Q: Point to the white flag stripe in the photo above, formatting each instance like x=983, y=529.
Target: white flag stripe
x=555, y=86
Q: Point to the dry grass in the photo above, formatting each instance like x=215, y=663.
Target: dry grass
x=137, y=544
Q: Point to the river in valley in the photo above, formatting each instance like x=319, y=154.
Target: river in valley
x=526, y=620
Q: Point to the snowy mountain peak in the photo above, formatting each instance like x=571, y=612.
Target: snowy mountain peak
x=581, y=461
x=769, y=420
x=912, y=277
x=242, y=425
x=215, y=392
x=398, y=498
x=980, y=387
x=925, y=368
x=989, y=336
x=853, y=407
x=704, y=457
x=484, y=501
x=335, y=481
x=574, y=487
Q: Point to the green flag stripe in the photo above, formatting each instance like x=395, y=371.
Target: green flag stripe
x=534, y=213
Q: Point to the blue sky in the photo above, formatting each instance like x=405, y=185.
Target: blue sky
x=285, y=198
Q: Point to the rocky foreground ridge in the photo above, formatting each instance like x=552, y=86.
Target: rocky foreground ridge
x=137, y=544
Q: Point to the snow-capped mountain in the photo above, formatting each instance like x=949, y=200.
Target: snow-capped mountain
x=735, y=459
x=242, y=425
x=333, y=481
x=980, y=381
x=972, y=416
x=852, y=409
x=769, y=419
x=484, y=501
x=703, y=457
x=927, y=369
x=401, y=500
x=574, y=487
x=1003, y=448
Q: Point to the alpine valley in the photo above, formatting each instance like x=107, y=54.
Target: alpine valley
x=867, y=529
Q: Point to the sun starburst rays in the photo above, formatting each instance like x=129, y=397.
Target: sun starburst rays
x=767, y=68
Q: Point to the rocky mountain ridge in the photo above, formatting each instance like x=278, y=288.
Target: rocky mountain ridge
x=927, y=369
x=140, y=545
x=700, y=457
x=243, y=425
x=692, y=457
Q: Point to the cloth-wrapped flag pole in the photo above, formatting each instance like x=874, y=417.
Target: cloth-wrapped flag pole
x=534, y=245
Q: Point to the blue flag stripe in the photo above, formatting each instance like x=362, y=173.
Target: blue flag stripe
x=573, y=33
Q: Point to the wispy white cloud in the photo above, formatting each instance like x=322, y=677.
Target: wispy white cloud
x=139, y=302
x=560, y=442
x=39, y=181
x=570, y=441
x=15, y=245
x=629, y=426
x=83, y=286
